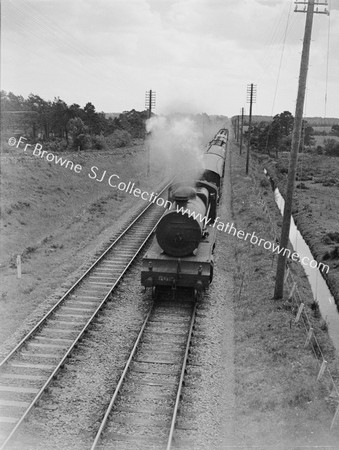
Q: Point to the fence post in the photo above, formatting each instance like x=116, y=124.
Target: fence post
x=292, y=290
x=300, y=310
x=322, y=369
x=335, y=417
x=309, y=337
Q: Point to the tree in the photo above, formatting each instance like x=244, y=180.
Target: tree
x=335, y=130
x=16, y=114
x=331, y=147
x=273, y=136
x=91, y=119
x=61, y=115
x=79, y=132
x=43, y=117
x=308, y=135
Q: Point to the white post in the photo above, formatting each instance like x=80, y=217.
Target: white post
x=18, y=265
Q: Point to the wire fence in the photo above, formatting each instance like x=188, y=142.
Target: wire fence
x=295, y=297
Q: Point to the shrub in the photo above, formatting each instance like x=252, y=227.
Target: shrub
x=120, y=138
x=56, y=146
x=99, y=142
x=331, y=147
x=82, y=141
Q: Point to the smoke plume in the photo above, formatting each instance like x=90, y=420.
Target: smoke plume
x=176, y=144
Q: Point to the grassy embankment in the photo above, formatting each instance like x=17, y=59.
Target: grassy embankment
x=279, y=402
x=56, y=220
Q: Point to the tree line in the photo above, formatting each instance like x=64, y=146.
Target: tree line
x=275, y=136
x=68, y=125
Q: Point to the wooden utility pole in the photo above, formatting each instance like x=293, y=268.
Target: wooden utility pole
x=251, y=93
x=296, y=134
x=241, y=128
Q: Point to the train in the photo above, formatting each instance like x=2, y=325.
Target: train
x=181, y=253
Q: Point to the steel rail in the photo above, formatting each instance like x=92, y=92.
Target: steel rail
x=76, y=284
x=181, y=381
x=83, y=330
x=121, y=380
x=124, y=373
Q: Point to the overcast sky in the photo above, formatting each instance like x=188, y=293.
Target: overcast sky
x=198, y=55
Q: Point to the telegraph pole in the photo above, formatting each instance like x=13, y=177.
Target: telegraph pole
x=241, y=128
x=296, y=134
x=149, y=103
x=251, y=97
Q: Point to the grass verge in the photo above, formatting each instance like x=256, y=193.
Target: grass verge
x=279, y=403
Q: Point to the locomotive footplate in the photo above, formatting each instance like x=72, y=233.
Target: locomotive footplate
x=195, y=271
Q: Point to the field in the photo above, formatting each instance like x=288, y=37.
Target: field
x=316, y=207
x=320, y=140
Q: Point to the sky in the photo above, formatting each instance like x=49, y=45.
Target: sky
x=197, y=55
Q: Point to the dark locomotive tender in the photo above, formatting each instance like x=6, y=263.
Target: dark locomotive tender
x=181, y=255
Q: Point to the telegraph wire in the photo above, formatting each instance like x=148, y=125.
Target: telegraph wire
x=327, y=58
x=281, y=56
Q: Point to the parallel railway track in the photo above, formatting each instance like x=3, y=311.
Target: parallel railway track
x=30, y=367
x=143, y=409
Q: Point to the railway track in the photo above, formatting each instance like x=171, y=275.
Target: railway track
x=143, y=409
x=30, y=367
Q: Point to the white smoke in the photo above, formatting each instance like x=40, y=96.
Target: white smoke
x=176, y=144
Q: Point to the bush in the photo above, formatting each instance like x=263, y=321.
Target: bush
x=319, y=150
x=56, y=146
x=99, y=142
x=82, y=141
x=331, y=147
x=120, y=138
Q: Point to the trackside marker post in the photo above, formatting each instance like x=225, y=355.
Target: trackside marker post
x=18, y=265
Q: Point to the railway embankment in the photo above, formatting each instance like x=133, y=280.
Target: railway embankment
x=279, y=402
x=57, y=221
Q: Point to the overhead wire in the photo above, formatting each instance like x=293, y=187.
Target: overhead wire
x=281, y=57
x=327, y=58
x=279, y=70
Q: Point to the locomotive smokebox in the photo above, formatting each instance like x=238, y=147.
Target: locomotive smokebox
x=179, y=231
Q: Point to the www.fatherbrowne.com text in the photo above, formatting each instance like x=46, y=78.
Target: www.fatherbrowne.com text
x=153, y=197
x=254, y=239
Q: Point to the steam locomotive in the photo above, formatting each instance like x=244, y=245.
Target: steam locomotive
x=181, y=254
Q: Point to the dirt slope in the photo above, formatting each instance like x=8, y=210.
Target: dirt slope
x=50, y=216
